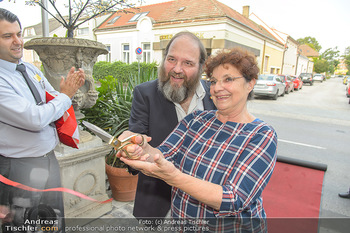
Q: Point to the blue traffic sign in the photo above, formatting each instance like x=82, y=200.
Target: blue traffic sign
x=139, y=51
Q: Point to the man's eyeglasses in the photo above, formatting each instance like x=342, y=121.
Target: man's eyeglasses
x=211, y=82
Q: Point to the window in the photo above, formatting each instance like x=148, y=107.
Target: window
x=146, y=54
x=30, y=32
x=272, y=71
x=266, y=63
x=137, y=16
x=126, y=53
x=83, y=31
x=113, y=20
x=108, y=55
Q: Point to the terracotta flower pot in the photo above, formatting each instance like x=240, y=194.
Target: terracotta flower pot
x=122, y=183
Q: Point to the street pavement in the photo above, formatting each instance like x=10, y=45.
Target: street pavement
x=313, y=124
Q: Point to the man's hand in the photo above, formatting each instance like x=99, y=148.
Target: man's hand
x=5, y=215
x=71, y=84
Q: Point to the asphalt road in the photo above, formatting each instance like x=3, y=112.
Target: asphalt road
x=313, y=124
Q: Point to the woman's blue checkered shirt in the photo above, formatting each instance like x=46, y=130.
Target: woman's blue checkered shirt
x=238, y=156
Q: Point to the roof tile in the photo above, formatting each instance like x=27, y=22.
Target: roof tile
x=307, y=51
x=194, y=10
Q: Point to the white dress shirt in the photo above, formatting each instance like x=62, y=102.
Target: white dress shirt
x=25, y=126
x=196, y=103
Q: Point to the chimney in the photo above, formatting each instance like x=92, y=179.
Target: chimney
x=246, y=11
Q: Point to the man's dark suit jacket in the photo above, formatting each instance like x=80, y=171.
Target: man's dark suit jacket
x=152, y=114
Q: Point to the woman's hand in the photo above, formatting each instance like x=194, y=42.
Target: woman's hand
x=136, y=150
x=160, y=168
x=165, y=170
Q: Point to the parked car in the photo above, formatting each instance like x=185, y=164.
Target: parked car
x=287, y=80
x=269, y=85
x=307, y=78
x=348, y=91
x=319, y=77
x=298, y=84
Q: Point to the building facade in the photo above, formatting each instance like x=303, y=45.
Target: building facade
x=290, y=50
x=306, y=51
x=303, y=65
x=151, y=27
x=217, y=25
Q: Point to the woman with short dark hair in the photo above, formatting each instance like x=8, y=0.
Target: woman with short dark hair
x=218, y=162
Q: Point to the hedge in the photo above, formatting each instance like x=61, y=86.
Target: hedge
x=120, y=70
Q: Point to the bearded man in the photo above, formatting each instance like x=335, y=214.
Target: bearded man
x=159, y=105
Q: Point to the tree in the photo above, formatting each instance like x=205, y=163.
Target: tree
x=321, y=66
x=82, y=10
x=310, y=41
x=331, y=56
x=333, y=66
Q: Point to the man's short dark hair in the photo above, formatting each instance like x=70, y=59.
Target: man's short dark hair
x=9, y=16
x=202, y=50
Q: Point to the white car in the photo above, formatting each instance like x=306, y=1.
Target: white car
x=269, y=85
x=319, y=77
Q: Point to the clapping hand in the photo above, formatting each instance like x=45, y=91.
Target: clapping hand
x=74, y=80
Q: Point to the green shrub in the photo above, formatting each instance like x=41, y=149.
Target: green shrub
x=120, y=70
x=101, y=69
x=112, y=109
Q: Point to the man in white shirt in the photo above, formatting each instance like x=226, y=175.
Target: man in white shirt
x=28, y=136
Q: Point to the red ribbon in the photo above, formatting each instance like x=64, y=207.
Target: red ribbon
x=60, y=189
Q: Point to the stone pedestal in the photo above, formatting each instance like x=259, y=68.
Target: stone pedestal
x=83, y=170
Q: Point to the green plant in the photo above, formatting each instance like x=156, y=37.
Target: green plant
x=112, y=160
x=120, y=70
x=112, y=109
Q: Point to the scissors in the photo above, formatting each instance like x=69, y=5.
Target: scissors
x=118, y=145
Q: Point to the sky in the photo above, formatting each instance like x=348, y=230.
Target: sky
x=326, y=20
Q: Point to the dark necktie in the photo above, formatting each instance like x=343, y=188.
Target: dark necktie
x=21, y=68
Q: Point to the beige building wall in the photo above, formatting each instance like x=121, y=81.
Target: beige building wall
x=272, y=59
x=214, y=35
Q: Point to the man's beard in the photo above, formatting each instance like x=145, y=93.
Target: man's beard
x=175, y=93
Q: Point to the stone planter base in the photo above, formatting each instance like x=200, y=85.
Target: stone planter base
x=84, y=171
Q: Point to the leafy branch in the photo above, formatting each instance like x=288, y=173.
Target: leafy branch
x=82, y=10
